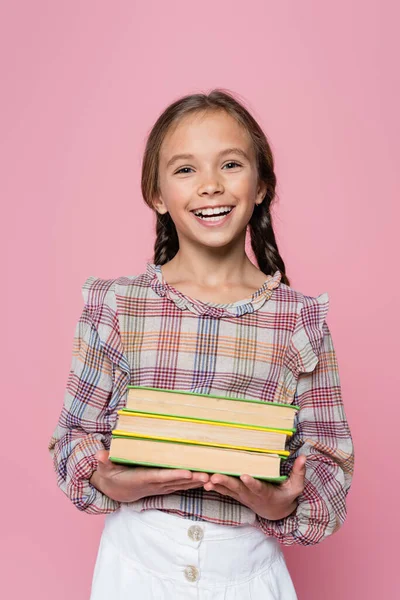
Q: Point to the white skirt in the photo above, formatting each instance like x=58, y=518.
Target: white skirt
x=156, y=555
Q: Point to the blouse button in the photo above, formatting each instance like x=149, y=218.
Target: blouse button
x=191, y=573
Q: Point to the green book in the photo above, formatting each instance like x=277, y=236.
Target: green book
x=193, y=457
x=222, y=409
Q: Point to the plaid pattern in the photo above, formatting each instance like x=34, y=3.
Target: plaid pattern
x=275, y=346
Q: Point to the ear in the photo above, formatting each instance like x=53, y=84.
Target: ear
x=261, y=191
x=159, y=205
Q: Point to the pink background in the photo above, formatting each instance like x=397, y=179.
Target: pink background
x=82, y=83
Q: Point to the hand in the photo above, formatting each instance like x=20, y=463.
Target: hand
x=269, y=500
x=127, y=484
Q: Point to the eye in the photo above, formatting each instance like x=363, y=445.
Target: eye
x=233, y=162
x=182, y=170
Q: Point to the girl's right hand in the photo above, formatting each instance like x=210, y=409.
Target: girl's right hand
x=128, y=484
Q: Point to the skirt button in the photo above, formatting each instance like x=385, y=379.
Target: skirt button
x=191, y=573
x=195, y=533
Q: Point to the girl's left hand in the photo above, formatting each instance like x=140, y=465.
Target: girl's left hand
x=269, y=500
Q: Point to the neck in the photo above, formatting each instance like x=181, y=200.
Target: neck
x=210, y=267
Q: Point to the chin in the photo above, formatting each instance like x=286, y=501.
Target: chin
x=214, y=243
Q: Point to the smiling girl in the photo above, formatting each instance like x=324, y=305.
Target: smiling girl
x=203, y=318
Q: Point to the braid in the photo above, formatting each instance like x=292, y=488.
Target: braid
x=263, y=241
x=167, y=243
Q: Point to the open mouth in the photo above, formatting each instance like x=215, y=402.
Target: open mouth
x=213, y=214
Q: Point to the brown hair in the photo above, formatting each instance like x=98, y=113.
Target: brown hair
x=262, y=234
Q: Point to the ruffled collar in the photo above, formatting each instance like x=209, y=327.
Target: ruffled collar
x=212, y=309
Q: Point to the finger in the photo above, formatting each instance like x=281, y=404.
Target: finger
x=155, y=475
x=182, y=487
x=255, y=486
x=297, y=474
x=201, y=477
x=232, y=483
x=102, y=455
x=173, y=486
x=192, y=486
x=166, y=475
x=156, y=489
x=184, y=484
x=104, y=463
x=177, y=483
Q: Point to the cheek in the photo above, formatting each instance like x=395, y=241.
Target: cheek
x=175, y=193
x=243, y=187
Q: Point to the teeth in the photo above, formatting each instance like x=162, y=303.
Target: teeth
x=213, y=211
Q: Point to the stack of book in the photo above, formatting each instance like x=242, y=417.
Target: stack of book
x=200, y=432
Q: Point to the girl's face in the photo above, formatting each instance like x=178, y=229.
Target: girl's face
x=208, y=179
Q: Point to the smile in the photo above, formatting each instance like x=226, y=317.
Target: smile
x=213, y=213
x=211, y=217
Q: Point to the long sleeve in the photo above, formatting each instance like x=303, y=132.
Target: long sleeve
x=93, y=393
x=322, y=434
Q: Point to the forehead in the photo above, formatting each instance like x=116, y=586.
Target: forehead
x=204, y=133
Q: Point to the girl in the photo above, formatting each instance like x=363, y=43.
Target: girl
x=204, y=318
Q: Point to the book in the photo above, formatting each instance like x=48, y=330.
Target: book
x=179, y=455
x=211, y=433
x=215, y=434
x=210, y=407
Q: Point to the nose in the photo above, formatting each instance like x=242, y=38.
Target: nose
x=210, y=187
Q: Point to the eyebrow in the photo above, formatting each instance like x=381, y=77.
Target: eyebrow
x=222, y=153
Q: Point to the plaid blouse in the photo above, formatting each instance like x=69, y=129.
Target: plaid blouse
x=274, y=346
